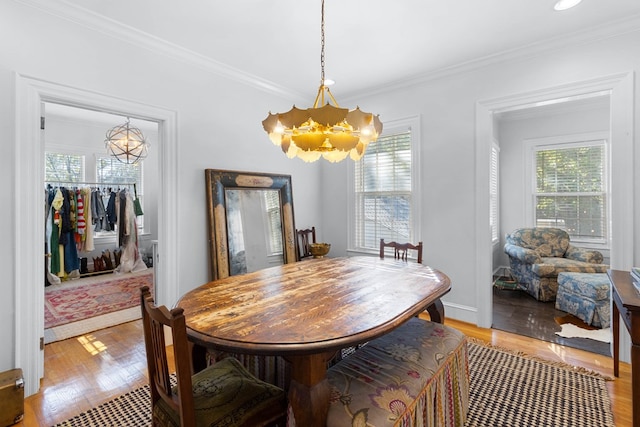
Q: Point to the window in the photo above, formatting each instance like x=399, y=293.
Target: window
x=112, y=171
x=494, y=202
x=274, y=233
x=61, y=167
x=570, y=188
x=385, y=188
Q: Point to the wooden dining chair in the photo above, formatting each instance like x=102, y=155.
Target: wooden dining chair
x=401, y=249
x=304, y=239
x=224, y=393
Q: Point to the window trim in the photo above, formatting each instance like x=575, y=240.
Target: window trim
x=391, y=127
x=567, y=141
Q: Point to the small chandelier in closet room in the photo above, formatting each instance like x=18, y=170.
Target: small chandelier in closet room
x=324, y=130
x=126, y=143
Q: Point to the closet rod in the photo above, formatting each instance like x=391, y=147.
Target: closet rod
x=91, y=183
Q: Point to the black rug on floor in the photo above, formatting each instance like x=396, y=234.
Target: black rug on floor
x=506, y=389
x=518, y=312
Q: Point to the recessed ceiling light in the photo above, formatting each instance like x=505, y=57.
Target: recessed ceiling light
x=566, y=4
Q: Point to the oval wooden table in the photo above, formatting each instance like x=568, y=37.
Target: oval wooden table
x=306, y=311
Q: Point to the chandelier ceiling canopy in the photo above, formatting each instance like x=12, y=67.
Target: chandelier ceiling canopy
x=324, y=130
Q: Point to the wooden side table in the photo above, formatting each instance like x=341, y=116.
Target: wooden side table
x=626, y=304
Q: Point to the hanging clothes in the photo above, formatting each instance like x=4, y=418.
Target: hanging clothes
x=112, y=214
x=130, y=260
x=98, y=212
x=67, y=233
x=87, y=243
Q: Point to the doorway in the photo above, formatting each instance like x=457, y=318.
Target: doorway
x=29, y=154
x=574, y=123
x=76, y=158
x=620, y=90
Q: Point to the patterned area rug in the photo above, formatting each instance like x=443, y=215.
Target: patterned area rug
x=79, y=307
x=507, y=389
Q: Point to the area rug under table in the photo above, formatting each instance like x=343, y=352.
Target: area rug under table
x=74, y=308
x=507, y=390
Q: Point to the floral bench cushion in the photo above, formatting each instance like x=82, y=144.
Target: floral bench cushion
x=416, y=375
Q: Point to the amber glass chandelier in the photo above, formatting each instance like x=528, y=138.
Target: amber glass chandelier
x=126, y=143
x=324, y=130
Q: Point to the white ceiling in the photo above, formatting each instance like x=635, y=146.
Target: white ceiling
x=370, y=44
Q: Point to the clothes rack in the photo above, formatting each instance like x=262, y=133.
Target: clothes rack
x=69, y=183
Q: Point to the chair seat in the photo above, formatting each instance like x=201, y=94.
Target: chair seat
x=552, y=267
x=225, y=394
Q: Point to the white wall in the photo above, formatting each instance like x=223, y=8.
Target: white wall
x=511, y=135
x=7, y=174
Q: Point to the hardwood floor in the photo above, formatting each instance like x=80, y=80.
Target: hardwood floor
x=83, y=372
x=518, y=312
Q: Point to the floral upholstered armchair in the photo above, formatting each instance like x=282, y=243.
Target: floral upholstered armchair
x=537, y=255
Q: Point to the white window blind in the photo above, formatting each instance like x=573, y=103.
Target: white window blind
x=272, y=208
x=493, y=189
x=112, y=171
x=383, y=192
x=60, y=167
x=571, y=191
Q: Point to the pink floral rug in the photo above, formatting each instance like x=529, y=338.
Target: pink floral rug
x=73, y=301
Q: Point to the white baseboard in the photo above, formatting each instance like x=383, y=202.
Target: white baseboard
x=461, y=313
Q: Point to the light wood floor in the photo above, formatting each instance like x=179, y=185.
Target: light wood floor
x=83, y=372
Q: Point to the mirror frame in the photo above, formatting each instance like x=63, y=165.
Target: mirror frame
x=217, y=181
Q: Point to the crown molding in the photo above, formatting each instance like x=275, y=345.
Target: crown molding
x=93, y=21
x=608, y=30
x=109, y=27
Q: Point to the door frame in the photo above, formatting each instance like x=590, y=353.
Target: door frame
x=620, y=89
x=28, y=201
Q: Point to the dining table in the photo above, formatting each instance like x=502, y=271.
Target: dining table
x=309, y=310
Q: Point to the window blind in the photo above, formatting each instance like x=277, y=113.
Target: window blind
x=272, y=207
x=493, y=189
x=383, y=186
x=570, y=190
x=110, y=170
x=63, y=167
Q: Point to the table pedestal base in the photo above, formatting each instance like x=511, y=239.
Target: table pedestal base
x=309, y=389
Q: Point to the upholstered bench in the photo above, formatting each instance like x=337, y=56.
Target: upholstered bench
x=416, y=375
x=586, y=296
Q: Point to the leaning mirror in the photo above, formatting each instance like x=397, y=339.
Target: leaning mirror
x=250, y=218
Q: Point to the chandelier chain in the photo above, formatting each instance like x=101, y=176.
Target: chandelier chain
x=322, y=46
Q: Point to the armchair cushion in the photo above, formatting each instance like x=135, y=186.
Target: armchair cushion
x=537, y=255
x=584, y=255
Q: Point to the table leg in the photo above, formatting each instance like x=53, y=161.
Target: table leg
x=635, y=383
x=436, y=311
x=615, y=330
x=198, y=357
x=309, y=390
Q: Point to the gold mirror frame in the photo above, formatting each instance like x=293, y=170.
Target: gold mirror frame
x=217, y=181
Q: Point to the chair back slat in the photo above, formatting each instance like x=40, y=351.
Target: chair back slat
x=304, y=239
x=400, y=250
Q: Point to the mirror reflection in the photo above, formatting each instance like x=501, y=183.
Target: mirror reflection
x=254, y=230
